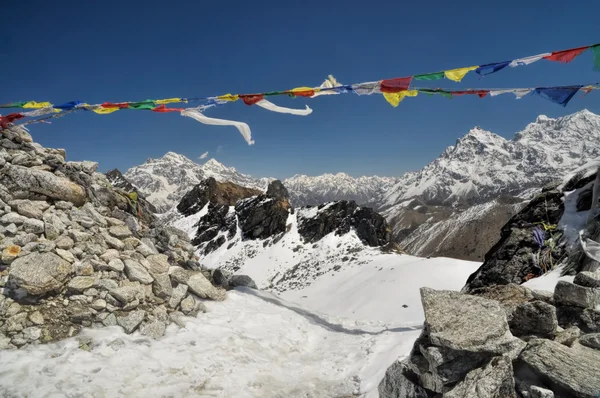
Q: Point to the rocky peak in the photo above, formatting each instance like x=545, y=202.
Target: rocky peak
x=118, y=180
x=276, y=190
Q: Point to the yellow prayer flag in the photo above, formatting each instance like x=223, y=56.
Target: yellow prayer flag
x=395, y=98
x=104, y=111
x=228, y=97
x=168, y=101
x=458, y=74
x=37, y=105
x=301, y=89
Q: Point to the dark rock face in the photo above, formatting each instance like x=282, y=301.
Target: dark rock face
x=218, y=219
x=535, y=318
x=209, y=190
x=341, y=217
x=510, y=260
x=262, y=217
x=276, y=190
x=242, y=280
x=117, y=180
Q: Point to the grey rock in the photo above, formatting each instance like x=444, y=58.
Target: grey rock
x=573, y=371
x=568, y=336
x=397, y=383
x=110, y=320
x=86, y=222
x=534, y=318
x=116, y=265
x=31, y=225
x=79, y=236
x=45, y=246
x=32, y=333
x=221, y=277
x=109, y=255
x=177, y=295
x=162, y=286
x=40, y=273
x=99, y=304
x=95, y=215
x=125, y=294
x=4, y=342
x=136, y=272
x=131, y=320
x=539, y=392
x=62, y=205
x=495, y=380
x=12, y=218
x=64, y=242
x=53, y=226
x=569, y=294
x=189, y=306
x=148, y=242
x=66, y=255
x=201, y=287
x=16, y=322
x=11, y=229
x=179, y=274
x=106, y=284
x=92, y=292
x=23, y=240
x=32, y=209
x=116, y=344
x=120, y=232
x=591, y=340
x=157, y=264
x=482, y=326
x=242, y=280
x=84, y=268
x=114, y=221
x=154, y=329
x=80, y=283
x=46, y=183
x=588, y=279
x=36, y=318
x=144, y=250
x=113, y=242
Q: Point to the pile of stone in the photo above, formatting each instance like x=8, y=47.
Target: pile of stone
x=74, y=254
x=505, y=341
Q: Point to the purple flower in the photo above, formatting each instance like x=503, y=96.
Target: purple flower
x=539, y=235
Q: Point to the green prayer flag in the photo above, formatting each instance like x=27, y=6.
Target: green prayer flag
x=596, y=50
x=430, y=76
x=148, y=104
x=435, y=91
x=14, y=104
x=274, y=93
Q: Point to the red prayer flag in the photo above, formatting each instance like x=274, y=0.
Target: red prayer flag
x=251, y=99
x=6, y=120
x=113, y=105
x=306, y=93
x=163, y=108
x=566, y=56
x=480, y=93
x=395, y=85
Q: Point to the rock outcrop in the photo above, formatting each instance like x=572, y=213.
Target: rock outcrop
x=77, y=252
x=503, y=341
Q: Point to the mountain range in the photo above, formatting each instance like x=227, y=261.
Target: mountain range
x=477, y=184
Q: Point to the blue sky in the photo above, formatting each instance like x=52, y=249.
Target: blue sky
x=96, y=52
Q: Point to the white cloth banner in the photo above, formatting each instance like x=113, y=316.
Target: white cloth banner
x=275, y=108
x=519, y=93
x=39, y=112
x=367, y=88
x=331, y=82
x=528, y=60
x=243, y=128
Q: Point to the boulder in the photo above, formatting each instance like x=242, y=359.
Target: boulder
x=587, y=279
x=130, y=321
x=46, y=183
x=201, y=287
x=276, y=190
x=495, y=380
x=154, y=329
x=468, y=323
x=591, y=340
x=80, y=283
x=40, y=273
x=32, y=209
x=570, y=294
x=162, y=286
x=242, y=280
x=534, y=318
x=179, y=292
x=398, y=382
x=571, y=372
x=136, y=272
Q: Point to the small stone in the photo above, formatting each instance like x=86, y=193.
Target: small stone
x=62, y=205
x=591, y=340
x=178, y=294
x=179, y=274
x=32, y=209
x=45, y=246
x=125, y=294
x=117, y=343
x=31, y=225
x=32, y=333
x=106, y=284
x=144, y=250
x=36, y=318
x=66, y=255
x=10, y=253
x=201, y=287
x=148, y=242
x=568, y=336
x=84, y=269
x=110, y=320
x=162, y=286
x=86, y=222
x=539, y=392
x=97, y=265
x=116, y=265
x=114, y=221
x=14, y=309
x=113, y=242
x=157, y=264
x=91, y=292
x=12, y=218
x=95, y=215
x=131, y=243
x=534, y=318
x=130, y=321
x=79, y=236
x=120, y=231
x=99, y=305
x=4, y=342
x=109, y=255
x=11, y=229
x=81, y=283
x=188, y=305
x=154, y=329
x=136, y=272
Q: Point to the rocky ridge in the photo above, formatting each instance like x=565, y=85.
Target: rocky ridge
x=75, y=253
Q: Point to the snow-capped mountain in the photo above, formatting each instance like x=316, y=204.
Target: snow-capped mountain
x=311, y=191
x=165, y=180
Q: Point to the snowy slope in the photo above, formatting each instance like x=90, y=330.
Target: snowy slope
x=306, y=190
x=164, y=181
